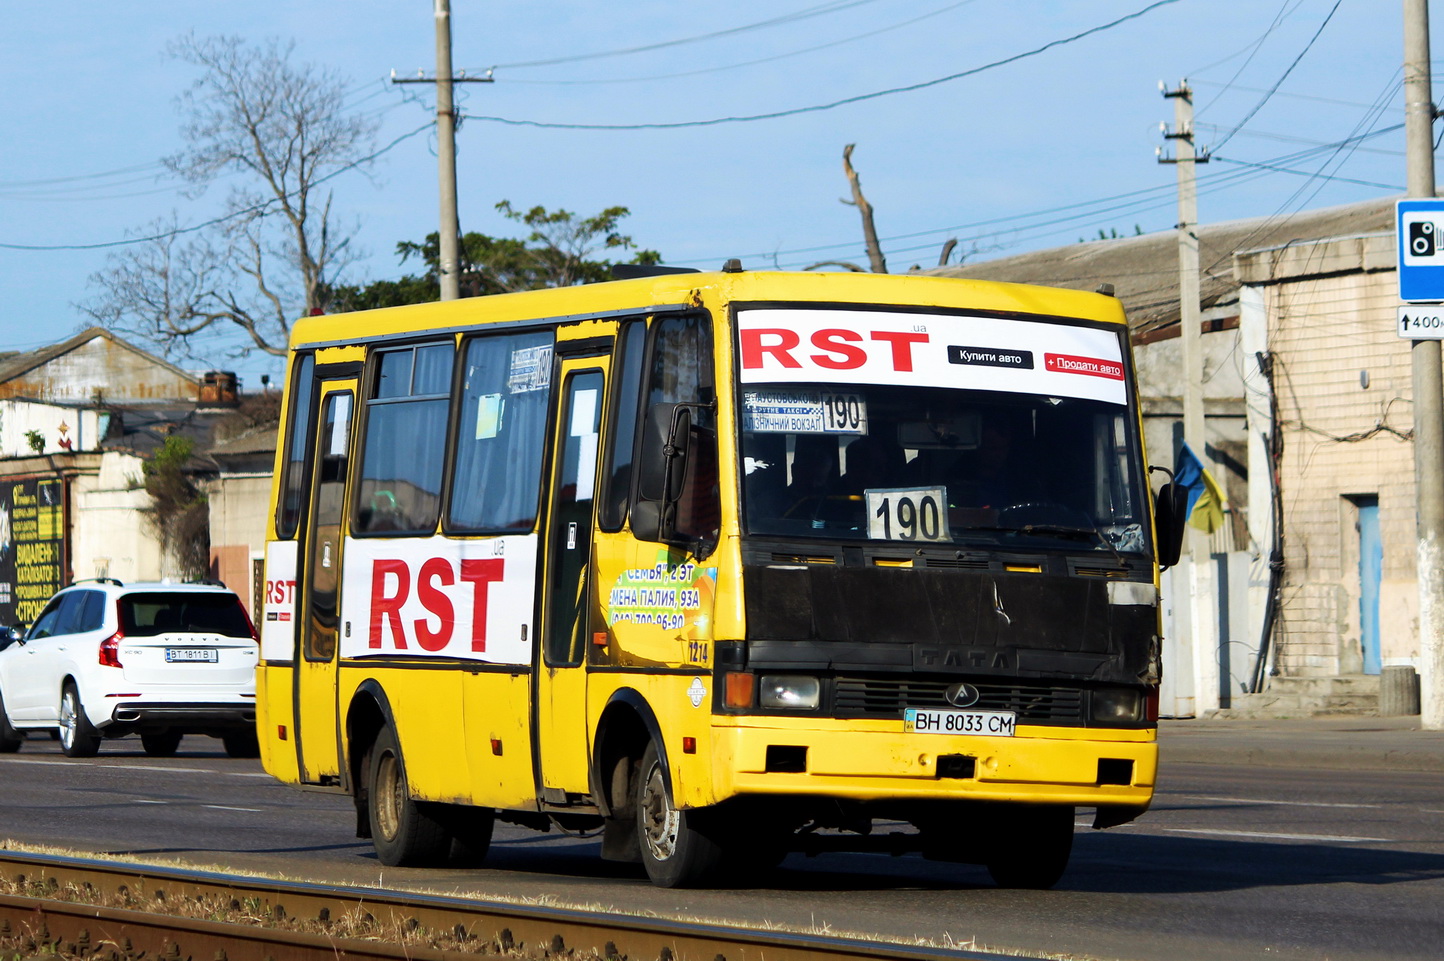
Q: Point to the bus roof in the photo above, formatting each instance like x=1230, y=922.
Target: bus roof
x=640, y=295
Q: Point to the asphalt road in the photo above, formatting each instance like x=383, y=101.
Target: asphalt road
x=1233, y=862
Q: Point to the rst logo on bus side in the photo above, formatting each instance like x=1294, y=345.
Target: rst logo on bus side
x=391, y=587
x=430, y=596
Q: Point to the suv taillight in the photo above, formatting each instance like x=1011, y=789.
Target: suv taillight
x=110, y=650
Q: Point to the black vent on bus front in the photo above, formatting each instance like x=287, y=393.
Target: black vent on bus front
x=890, y=697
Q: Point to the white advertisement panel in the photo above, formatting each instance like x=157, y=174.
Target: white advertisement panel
x=438, y=597
x=801, y=345
x=278, y=618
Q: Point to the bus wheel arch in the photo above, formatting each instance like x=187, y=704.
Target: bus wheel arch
x=627, y=725
x=369, y=714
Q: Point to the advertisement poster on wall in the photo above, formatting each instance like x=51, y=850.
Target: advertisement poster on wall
x=32, y=554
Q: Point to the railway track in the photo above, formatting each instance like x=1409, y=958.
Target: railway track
x=78, y=907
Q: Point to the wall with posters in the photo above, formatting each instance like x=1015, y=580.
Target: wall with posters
x=32, y=545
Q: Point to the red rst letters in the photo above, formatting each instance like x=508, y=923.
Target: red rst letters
x=391, y=588
x=839, y=346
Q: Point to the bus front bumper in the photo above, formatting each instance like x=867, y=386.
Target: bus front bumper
x=877, y=760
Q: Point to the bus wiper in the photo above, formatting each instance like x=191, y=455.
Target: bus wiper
x=1055, y=530
x=1089, y=533
x=1064, y=530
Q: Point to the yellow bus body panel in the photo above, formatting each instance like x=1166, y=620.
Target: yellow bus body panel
x=273, y=715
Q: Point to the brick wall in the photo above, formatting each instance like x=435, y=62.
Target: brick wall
x=1342, y=441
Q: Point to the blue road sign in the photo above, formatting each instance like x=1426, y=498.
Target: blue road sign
x=1419, y=227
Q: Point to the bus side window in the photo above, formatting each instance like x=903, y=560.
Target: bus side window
x=405, y=447
x=293, y=471
x=621, y=442
x=501, y=434
x=681, y=373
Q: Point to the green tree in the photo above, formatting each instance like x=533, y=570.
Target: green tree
x=560, y=251
x=179, y=510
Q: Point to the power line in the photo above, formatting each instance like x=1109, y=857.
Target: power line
x=246, y=211
x=1307, y=173
x=1289, y=138
x=1251, y=48
x=806, y=14
x=1259, y=106
x=1294, y=96
x=753, y=63
x=816, y=108
x=1142, y=200
x=1132, y=203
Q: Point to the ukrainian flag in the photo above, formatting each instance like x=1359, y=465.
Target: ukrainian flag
x=1205, y=497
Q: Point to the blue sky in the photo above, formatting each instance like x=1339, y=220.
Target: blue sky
x=1007, y=159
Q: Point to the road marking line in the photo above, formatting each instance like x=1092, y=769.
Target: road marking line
x=1275, y=836
x=1299, y=804
x=141, y=800
x=222, y=807
x=117, y=767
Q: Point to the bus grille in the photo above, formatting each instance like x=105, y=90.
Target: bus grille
x=888, y=698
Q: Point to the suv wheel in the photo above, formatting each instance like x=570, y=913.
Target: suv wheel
x=10, y=739
x=77, y=737
x=161, y=744
x=241, y=744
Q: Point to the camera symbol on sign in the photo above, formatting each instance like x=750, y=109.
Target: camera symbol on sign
x=1422, y=241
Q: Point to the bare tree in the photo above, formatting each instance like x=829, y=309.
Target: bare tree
x=869, y=232
x=282, y=129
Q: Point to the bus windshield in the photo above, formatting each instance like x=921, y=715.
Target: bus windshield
x=920, y=465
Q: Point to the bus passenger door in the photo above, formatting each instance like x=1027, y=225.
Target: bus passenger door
x=562, y=750
x=317, y=735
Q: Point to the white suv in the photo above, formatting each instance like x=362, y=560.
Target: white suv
x=107, y=659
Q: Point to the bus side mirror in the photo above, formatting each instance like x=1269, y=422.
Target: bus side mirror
x=661, y=472
x=1169, y=518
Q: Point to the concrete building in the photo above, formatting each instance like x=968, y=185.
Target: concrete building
x=1319, y=329
x=78, y=420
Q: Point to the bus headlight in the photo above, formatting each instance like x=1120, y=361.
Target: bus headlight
x=790, y=692
x=1117, y=705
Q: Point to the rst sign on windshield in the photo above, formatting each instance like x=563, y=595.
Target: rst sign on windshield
x=799, y=345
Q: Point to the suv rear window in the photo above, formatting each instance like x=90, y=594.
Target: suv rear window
x=146, y=615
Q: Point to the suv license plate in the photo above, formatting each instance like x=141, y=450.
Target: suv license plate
x=985, y=723
x=207, y=654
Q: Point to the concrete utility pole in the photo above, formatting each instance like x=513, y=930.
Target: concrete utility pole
x=1428, y=383
x=1203, y=619
x=449, y=264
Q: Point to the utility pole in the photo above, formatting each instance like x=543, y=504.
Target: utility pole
x=1201, y=594
x=1428, y=383
x=449, y=264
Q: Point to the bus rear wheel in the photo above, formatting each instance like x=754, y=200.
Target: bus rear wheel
x=402, y=829
x=1032, y=846
x=677, y=849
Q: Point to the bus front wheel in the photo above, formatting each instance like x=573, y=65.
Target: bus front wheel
x=677, y=851
x=402, y=829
